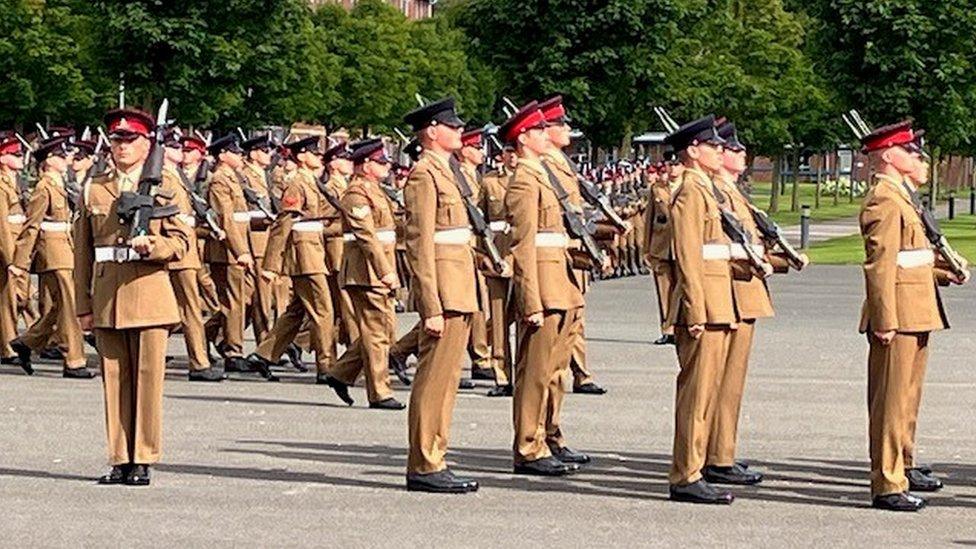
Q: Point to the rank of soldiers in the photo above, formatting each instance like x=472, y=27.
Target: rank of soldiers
x=315, y=246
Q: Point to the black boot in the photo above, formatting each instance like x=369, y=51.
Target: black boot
x=138, y=476
x=341, y=389
x=566, y=454
x=399, y=366
x=116, y=475
x=294, y=353
x=78, y=373
x=24, y=355
x=387, y=404
x=255, y=363
x=920, y=481
x=466, y=384
x=210, y=374
x=733, y=474
x=441, y=482
x=90, y=340
x=589, y=389
x=51, y=353
x=500, y=391
x=700, y=492
x=546, y=467
x=482, y=373
x=666, y=339
x=902, y=501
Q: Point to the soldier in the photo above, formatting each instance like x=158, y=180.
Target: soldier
x=500, y=318
x=443, y=285
x=658, y=249
x=45, y=247
x=183, y=273
x=548, y=294
x=558, y=133
x=231, y=260
x=339, y=168
x=124, y=292
x=254, y=173
x=12, y=220
x=195, y=175
x=369, y=275
x=902, y=307
x=296, y=248
x=702, y=307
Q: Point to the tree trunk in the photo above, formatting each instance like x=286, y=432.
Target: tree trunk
x=626, y=142
x=795, y=193
x=836, y=171
x=775, y=184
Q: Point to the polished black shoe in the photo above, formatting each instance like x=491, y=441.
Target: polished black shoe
x=546, y=467
x=51, y=353
x=482, y=373
x=466, y=384
x=294, y=353
x=90, y=340
x=700, y=492
x=902, y=501
x=589, y=389
x=255, y=363
x=566, y=454
x=210, y=374
x=920, y=481
x=341, y=389
x=78, y=373
x=398, y=365
x=23, y=355
x=387, y=404
x=500, y=391
x=731, y=475
x=441, y=482
x=236, y=364
x=666, y=339
x=117, y=475
x=138, y=476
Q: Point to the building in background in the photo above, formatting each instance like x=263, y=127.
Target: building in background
x=414, y=9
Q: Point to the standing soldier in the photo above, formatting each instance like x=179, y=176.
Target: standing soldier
x=231, y=259
x=12, y=220
x=548, y=294
x=902, y=307
x=703, y=313
x=45, y=246
x=296, y=248
x=254, y=173
x=183, y=273
x=443, y=265
x=369, y=275
x=124, y=293
x=658, y=248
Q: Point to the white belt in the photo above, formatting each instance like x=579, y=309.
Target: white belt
x=720, y=252
x=915, y=258
x=551, y=240
x=501, y=227
x=191, y=221
x=737, y=251
x=242, y=217
x=105, y=254
x=386, y=237
x=453, y=236
x=55, y=226
x=257, y=214
x=17, y=219
x=307, y=226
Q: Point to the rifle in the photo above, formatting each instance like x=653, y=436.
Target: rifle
x=203, y=170
x=201, y=208
x=592, y=194
x=136, y=208
x=938, y=240
x=321, y=183
x=771, y=233
x=253, y=198
x=392, y=192
x=72, y=188
x=477, y=219
x=738, y=234
x=23, y=186
x=573, y=219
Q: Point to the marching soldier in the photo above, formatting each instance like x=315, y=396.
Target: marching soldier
x=45, y=246
x=12, y=220
x=702, y=308
x=254, y=173
x=549, y=298
x=369, y=275
x=183, y=273
x=443, y=265
x=658, y=248
x=231, y=260
x=339, y=168
x=124, y=292
x=902, y=307
x=195, y=175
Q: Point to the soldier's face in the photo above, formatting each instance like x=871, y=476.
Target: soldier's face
x=734, y=161
x=378, y=170
x=473, y=155
x=559, y=134
x=12, y=161
x=535, y=139
x=82, y=163
x=234, y=160
x=510, y=159
x=920, y=176
x=56, y=163
x=130, y=152
x=192, y=156
x=708, y=156
x=174, y=155
x=445, y=137
x=900, y=159
x=342, y=165
x=261, y=156
x=310, y=160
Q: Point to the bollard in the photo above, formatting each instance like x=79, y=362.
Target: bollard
x=952, y=204
x=972, y=201
x=804, y=227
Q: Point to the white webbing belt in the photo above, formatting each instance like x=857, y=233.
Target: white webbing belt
x=241, y=217
x=257, y=214
x=307, y=227
x=716, y=252
x=17, y=219
x=55, y=226
x=500, y=227
x=105, y=254
x=916, y=258
x=453, y=236
x=551, y=240
x=385, y=237
x=737, y=251
x=190, y=220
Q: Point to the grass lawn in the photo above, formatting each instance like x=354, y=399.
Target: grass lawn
x=826, y=212
x=961, y=233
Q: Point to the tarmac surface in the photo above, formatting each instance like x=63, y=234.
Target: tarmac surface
x=255, y=464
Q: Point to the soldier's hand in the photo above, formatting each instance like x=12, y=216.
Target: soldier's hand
x=767, y=270
x=143, y=245
x=245, y=261
x=391, y=281
x=606, y=266
x=804, y=261
x=960, y=280
x=696, y=330
x=221, y=235
x=87, y=322
x=885, y=337
x=534, y=319
x=16, y=271
x=434, y=326
x=269, y=276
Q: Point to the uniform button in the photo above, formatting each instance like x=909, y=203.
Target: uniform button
x=120, y=240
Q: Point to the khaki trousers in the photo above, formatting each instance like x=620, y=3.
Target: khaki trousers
x=434, y=392
x=310, y=298
x=723, y=434
x=234, y=288
x=261, y=307
x=186, y=288
x=499, y=325
x=208, y=290
x=540, y=372
x=59, y=321
x=282, y=295
x=702, y=364
x=577, y=360
x=370, y=353
x=664, y=280
x=478, y=350
x=409, y=343
x=895, y=374
x=8, y=311
x=133, y=369
x=346, y=326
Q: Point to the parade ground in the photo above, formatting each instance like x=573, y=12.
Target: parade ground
x=255, y=464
